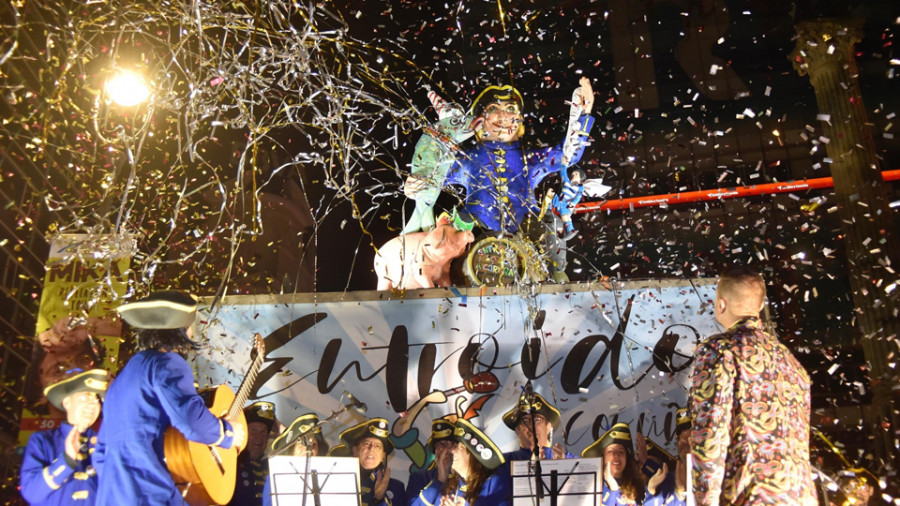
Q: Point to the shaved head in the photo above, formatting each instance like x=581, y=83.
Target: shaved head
x=741, y=292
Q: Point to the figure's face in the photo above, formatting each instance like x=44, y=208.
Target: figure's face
x=82, y=409
x=443, y=447
x=541, y=425
x=257, y=437
x=501, y=122
x=300, y=448
x=615, y=456
x=370, y=452
x=462, y=460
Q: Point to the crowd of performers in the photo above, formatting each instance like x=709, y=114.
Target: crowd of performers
x=746, y=429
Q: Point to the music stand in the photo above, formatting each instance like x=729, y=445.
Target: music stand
x=324, y=481
x=566, y=482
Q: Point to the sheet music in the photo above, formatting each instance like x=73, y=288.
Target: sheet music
x=578, y=482
x=338, y=480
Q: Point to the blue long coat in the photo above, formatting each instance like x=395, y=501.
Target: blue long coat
x=153, y=391
x=500, y=184
x=47, y=476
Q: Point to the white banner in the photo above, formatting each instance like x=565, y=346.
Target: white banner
x=602, y=354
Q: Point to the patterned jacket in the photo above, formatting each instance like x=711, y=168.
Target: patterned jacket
x=750, y=404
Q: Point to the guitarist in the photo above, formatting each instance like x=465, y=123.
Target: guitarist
x=154, y=390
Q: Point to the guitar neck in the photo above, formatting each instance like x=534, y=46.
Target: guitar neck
x=240, y=398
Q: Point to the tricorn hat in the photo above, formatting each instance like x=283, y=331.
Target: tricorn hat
x=297, y=429
x=161, y=310
x=94, y=380
x=682, y=420
x=479, y=445
x=377, y=428
x=619, y=433
x=536, y=406
x=261, y=411
x=492, y=94
x=656, y=457
x=441, y=430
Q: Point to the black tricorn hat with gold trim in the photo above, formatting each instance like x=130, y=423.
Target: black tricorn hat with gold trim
x=537, y=406
x=297, y=429
x=441, y=430
x=656, y=457
x=94, y=380
x=479, y=445
x=619, y=433
x=167, y=309
x=261, y=411
x=682, y=420
x=377, y=428
x=493, y=94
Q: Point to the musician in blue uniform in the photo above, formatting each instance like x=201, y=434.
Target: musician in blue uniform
x=622, y=482
x=533, y=418
x=252, y=464
x=57, y=466
x=500, y=176
x=153, y=391
x=658, y=471
x=371, y=443
x=672, y=491
x=441, y=444
x=302, y=438
x=478, y=476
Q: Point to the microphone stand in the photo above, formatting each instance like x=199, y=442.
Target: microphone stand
x=308, y=437
x=536, y=446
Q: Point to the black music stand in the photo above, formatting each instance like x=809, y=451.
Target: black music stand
x=328, y=481
x=565, y=482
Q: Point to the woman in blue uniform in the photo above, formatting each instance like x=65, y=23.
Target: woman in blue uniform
x=622, y=482
x=478, y=476
x=57, y=466
x=153, y=391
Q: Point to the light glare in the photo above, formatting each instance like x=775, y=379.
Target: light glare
x=127, y=89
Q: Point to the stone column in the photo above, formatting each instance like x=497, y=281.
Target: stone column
x=824, y=52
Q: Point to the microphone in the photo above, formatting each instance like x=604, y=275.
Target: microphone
x=353, y=402
x=529, y=393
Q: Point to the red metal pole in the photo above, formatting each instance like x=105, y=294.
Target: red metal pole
x=669, y=199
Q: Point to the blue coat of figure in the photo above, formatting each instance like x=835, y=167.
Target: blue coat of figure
x=48, y=477
x=433, y=156
x=572, y=191
x=155, y=390
x=51, y=473
x=478, y=475
x=499, y=176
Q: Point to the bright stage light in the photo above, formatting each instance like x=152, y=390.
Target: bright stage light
x=127, y=89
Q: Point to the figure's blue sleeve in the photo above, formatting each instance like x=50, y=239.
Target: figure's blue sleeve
x=429, y=496
x=174, y=384
x=459, y=172
x=44, y=469
x=497, y=490
x=417, y=481
x=543, y=162
x=394, y=496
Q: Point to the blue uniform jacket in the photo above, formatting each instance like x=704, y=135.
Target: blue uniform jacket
x=665, y=493
x=417, y=481
x=395, y=495
x=500, y=184
x=496, y=491
x=48, y=477
x=252, y=476
x=153, y=391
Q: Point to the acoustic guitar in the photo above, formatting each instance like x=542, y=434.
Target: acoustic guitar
x=206, y=474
